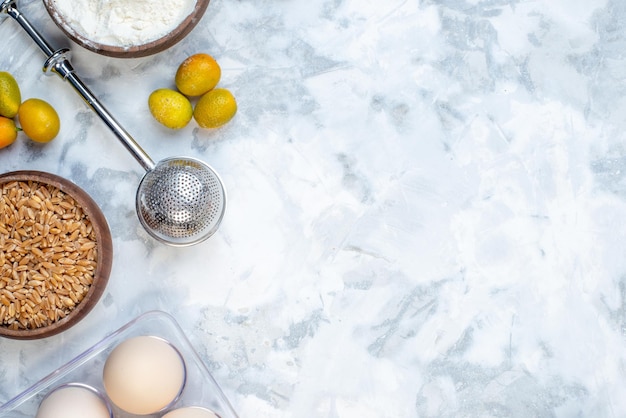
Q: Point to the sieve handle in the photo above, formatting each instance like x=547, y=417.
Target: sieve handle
x=58, y=63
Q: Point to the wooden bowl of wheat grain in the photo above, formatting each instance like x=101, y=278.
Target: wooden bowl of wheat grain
x=55, y=254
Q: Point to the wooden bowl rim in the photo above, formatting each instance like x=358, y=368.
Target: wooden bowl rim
x=134, y=51
x=105, y=253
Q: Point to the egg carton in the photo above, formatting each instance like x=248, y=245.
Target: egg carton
x=200, y=389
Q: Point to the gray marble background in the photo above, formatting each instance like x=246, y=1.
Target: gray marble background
x=426, y=205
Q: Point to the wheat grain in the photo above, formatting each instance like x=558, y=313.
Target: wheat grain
x=48, y=254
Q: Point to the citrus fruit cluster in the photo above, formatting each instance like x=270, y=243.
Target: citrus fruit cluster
x=196, y=79
x=36, y=118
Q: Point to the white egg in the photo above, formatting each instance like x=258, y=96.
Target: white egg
x=191, y=412
x=144, y=375
x=73, y=401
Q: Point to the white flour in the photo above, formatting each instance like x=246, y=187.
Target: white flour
x=123, y=22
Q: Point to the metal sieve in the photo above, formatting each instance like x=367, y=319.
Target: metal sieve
x=180, y=201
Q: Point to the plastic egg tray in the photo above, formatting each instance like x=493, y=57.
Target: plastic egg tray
x=201, y=389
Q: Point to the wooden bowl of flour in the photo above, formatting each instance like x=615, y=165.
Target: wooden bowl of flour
x=126, y=29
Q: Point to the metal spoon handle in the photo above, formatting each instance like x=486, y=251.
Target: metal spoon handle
x=58, y=62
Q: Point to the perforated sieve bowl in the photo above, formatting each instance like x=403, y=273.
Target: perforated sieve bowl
x=181, y=201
